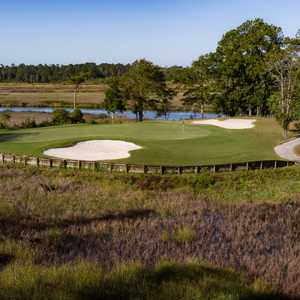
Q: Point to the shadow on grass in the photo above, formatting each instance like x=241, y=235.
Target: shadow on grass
x=5, y=259
x=14, y=225
x=177, y=281
x=7, y=137
x=165, y=281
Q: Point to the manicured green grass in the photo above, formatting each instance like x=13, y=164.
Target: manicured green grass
x=162, y=142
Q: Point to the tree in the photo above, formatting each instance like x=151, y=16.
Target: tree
x=285, y=69
x=198, y=85
x=240, y=62
x=143, y=86
x=164, y=105
x=114, y=99
x=77, y=80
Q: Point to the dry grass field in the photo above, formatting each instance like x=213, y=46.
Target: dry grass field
x=15, y=94
x=90, y=95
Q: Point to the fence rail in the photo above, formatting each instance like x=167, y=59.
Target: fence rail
x=43, y=162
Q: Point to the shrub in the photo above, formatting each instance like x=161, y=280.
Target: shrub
x=5, y=117
x=184, y=235
x=3, y=125
x=28, y=123
x=61, y=116
x=76, y=116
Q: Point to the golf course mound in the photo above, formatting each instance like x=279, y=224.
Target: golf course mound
x=94, y=150
x=229, y=124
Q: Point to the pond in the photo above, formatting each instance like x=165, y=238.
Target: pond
x=150, y=115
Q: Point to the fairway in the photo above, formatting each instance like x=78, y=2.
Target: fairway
x=168, y=143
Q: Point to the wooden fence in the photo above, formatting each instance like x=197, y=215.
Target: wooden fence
x=139, y=169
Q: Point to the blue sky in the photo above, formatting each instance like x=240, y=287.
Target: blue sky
x=164, y=31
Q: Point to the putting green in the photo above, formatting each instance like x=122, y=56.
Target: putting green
x=163, y=142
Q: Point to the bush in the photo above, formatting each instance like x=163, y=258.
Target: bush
x=61, y=116
x=184, y=235
x=3, y=125
x=76, y=116
x=28, y=123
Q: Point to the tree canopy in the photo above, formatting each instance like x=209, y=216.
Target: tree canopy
x=143, y=86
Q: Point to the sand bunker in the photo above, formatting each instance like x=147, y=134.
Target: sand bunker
x=287, y=150
x=94, y=150
x=229, y=124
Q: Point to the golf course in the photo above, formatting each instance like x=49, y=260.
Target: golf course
x=161, y=142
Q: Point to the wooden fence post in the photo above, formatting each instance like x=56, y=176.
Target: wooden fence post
x=179, y=170
x=95, y=167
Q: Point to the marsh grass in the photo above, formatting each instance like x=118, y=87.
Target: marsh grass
x=131, y=281
x=66, y=234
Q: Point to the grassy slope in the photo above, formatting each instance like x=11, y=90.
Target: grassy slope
x=162, y=142
x=51, y=218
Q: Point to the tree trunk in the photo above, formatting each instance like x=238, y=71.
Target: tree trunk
x=140, y=111
x=250, y=111
x=75, y=99
x=141, y=116
x=202, y=111
x=285, y=133
x=257, y=111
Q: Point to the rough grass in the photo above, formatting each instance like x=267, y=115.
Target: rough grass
x=82, y=235
x=133, y=281
x=162, y=142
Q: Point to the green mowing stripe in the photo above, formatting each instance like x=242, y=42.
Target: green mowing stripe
x=164, y=143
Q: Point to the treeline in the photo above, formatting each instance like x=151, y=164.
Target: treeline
x=59, y=73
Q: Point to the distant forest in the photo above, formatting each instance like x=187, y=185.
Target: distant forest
x=58, y=73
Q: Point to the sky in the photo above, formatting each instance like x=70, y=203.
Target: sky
x=167, y=32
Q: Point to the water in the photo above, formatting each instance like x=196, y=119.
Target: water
x=150, y=115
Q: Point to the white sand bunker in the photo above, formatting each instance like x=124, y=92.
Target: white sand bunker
x=95, y=150
x=229, y=123
x=287, y=150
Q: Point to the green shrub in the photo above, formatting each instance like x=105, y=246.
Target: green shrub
x=184, y=235
x=28, y=123
x=76, y=116
x=61, y=116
